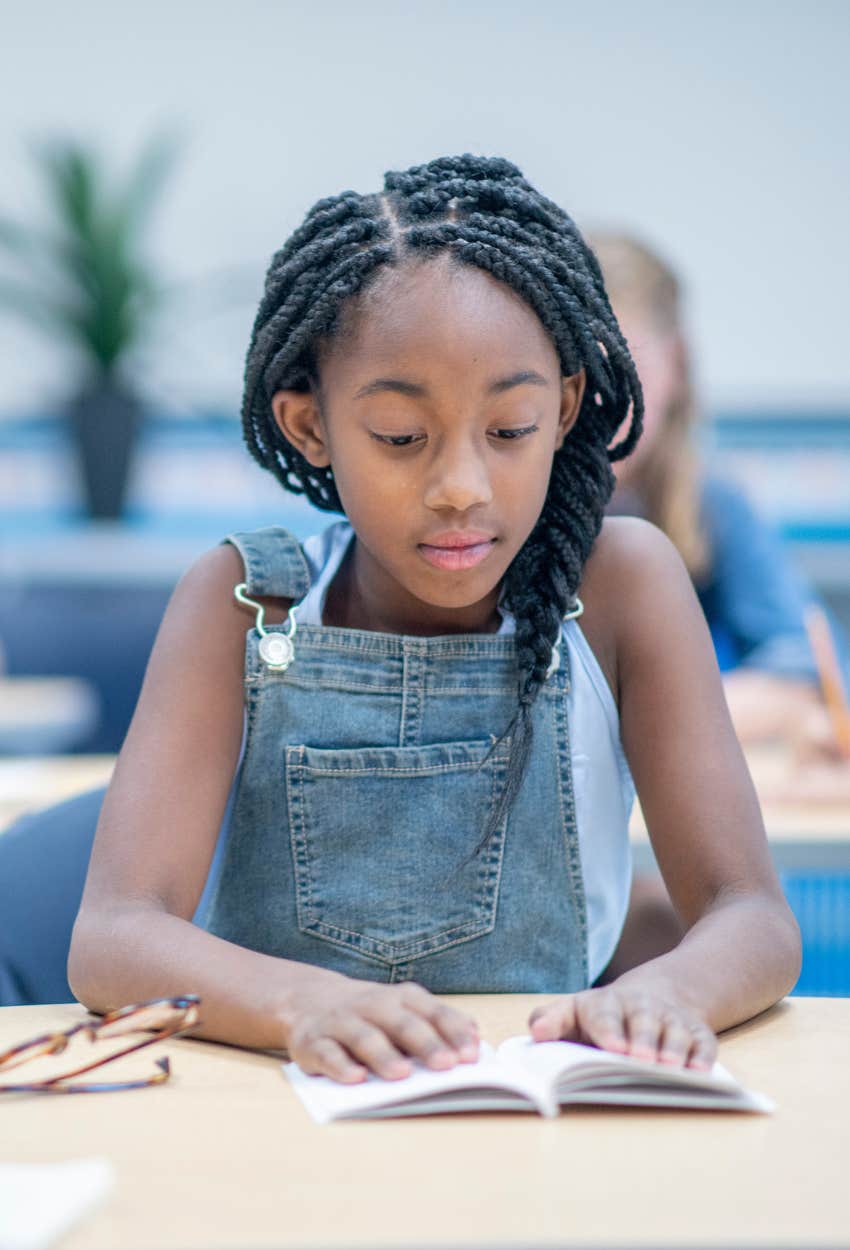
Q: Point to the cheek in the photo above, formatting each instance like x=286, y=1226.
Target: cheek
x=378, y=498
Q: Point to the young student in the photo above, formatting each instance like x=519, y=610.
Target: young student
x=441, y=701
x=753, y=600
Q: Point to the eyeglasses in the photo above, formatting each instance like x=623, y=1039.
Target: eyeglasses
x=93, y=1043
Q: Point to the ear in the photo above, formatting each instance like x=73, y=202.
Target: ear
x=572, y=393
x=299, y=420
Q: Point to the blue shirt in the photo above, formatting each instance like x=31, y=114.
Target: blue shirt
x=752, y=598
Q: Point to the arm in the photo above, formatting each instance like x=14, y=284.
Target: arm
x=756, y=598
x=741, y=950
x=134, y=938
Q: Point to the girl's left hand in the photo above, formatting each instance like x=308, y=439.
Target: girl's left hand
x=630, y=1021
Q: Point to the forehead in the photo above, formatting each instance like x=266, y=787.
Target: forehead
x=437, y=315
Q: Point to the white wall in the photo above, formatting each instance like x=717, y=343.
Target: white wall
x=718, y=130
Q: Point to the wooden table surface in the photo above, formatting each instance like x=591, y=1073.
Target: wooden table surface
x=224, y=1155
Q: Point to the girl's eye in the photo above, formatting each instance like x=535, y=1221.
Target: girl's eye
x=513, y=432
x=398, y=440
x=507, y=434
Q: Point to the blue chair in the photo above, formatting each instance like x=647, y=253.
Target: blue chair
x=44, y=859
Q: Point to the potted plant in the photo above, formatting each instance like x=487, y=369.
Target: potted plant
x=85, y=279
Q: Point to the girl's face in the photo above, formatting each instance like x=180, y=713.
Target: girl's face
x=440, y=411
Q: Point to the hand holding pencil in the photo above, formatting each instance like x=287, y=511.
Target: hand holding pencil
x=831, y=679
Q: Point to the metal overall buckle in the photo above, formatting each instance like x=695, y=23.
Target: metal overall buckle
x=276, y=649
x=555, y=662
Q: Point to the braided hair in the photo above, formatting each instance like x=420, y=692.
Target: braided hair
x=482, y=212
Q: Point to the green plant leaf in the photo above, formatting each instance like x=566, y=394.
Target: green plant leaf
x=95, y=287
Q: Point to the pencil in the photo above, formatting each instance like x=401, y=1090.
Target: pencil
x=829, y=672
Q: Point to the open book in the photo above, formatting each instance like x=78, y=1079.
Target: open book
x=522, y=1075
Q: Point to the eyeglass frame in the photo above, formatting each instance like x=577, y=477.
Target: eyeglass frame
x=55, y=1043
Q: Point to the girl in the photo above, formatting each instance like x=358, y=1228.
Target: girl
x=434, y=790
x=746, y=586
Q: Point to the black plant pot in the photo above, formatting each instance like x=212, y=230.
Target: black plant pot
x=105, y=420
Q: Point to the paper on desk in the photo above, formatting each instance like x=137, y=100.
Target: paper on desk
x=41, y=1201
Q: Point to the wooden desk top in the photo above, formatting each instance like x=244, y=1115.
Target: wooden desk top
x=224, y=1155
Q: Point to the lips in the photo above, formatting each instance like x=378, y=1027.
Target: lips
x=457, y=549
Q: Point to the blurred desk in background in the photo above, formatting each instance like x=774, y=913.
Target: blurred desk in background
x=45, y=715
x=810, y=847
x=28, y=784
x=815, y=833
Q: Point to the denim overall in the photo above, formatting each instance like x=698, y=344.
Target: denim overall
x=363, y=794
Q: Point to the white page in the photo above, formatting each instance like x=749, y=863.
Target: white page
x=41, y=1201
x=487, y=1080
x=587, y=1066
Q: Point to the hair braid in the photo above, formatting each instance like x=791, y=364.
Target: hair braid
x=483, y=213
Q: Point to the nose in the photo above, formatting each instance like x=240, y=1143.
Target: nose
x=459, y=480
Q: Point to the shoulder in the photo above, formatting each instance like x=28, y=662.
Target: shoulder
x=208, y=585
x=203, y=607
x=628, y=547
x=633, y=574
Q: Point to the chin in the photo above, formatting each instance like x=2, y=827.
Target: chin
x=464, y=594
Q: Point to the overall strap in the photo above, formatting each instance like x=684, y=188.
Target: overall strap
x=274, y=563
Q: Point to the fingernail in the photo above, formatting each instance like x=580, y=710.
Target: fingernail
x=442, y=1059
x=353, y=1075
x=469, y=1052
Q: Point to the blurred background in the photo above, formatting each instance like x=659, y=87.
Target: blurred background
x=152, y=159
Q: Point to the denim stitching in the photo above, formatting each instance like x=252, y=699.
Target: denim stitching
x=304, y=904
x=570, y=825
x=483, y=904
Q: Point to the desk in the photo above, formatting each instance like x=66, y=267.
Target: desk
x=29, y=783
x=40, y=714
x=224, y=1155
x=812, y=835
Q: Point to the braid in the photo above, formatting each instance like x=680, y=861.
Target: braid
x=484, y=214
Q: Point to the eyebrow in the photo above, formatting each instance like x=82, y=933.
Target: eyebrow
x=416, y=390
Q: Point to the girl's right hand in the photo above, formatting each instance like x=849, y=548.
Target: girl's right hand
x=344, y=1029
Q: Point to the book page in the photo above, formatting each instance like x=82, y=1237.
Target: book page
x=481, y=1086
x=571, y=1069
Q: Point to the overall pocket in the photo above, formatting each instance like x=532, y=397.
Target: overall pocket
x=383, y=842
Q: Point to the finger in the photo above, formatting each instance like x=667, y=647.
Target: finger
x=644, y=1026
x=554, y=1020
x=599, y=1019
x=703, y=1050
x=416, y=1036
x=676, y=1041
x=458, y=1030
x=325, y=1057
x=370, y=1044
